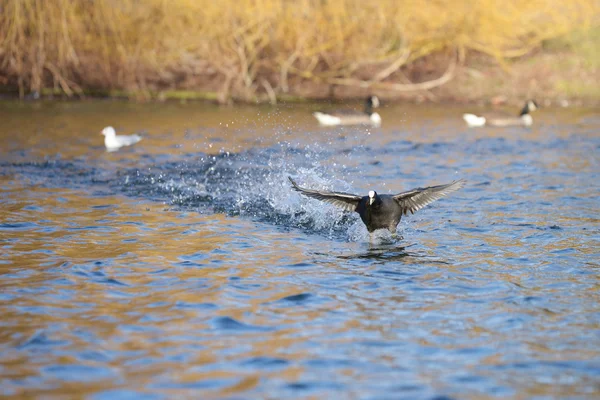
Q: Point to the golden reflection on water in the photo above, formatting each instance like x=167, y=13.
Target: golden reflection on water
x=145, y=292
x=122, y=233
x=47, y=127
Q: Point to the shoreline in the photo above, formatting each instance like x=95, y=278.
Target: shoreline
x=479, y=80
x=274, y=51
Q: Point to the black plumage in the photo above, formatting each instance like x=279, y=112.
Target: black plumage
x=383, y=211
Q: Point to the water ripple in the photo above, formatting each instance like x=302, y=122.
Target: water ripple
x=187, y=266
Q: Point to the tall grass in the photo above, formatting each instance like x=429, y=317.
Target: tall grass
x=257, y=49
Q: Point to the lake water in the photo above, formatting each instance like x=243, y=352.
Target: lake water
x=185, y=267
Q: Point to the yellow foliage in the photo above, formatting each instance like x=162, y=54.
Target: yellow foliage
x=243, y=47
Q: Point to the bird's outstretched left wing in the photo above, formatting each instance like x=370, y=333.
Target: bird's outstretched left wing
x=415, y=199
x=347, y=201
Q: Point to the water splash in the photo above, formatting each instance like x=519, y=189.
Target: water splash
x=252, y=183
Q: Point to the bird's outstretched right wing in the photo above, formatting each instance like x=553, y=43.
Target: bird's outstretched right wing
x=414, y=200
x=347, y=201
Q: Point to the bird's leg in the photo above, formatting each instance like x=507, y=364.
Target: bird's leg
x=394, y=233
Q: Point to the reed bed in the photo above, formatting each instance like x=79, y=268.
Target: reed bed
x=253, y=50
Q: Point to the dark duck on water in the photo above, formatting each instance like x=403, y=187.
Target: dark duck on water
x=383, y=211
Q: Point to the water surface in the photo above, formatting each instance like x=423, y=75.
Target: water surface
x=185, y=265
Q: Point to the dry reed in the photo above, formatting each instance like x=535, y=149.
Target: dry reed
x=261, y=49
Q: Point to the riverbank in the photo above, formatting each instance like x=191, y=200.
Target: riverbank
x=559, y=78
x=274, y=51
x=562, y=71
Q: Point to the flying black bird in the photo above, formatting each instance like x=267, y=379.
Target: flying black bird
x=383, y=211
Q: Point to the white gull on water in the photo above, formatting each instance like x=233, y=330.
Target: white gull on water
x=112, y=141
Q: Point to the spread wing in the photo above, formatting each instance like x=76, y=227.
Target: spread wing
x=414, y=200
x=347, y=201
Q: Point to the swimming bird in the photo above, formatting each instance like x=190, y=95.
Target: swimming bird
x=382, y=211
x=350, y=117
x=524, y=119
x=112, y=141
